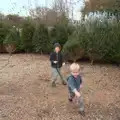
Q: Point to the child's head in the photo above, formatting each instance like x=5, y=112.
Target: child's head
x=75, y=69
x=57, y=47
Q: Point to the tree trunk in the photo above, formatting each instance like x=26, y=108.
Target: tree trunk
x=10, y=48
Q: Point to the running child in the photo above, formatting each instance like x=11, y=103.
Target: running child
x=74, y=87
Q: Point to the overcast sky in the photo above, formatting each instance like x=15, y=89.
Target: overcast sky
x=21, y=6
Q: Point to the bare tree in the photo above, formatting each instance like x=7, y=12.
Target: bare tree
x=59, y=6
x=38, y=12
x=96, y=5
x=2, y=17
x=44, y=15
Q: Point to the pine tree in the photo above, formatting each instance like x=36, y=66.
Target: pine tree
x=12, y=40
x=26, y=36
x=41, y=42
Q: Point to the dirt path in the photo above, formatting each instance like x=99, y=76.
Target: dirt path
x=26, y=94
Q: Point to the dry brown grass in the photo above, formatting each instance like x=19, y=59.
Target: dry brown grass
x=26, y=94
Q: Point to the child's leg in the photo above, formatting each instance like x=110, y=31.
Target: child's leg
x=61, y=76
x=81, y=103
x=71, y=96
x=54, y=75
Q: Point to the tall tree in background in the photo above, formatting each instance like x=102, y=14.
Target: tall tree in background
x=44, y=15
x=4, y=29
x=2, y=17
x=59, y=6
x=14, y=20
x=12, y=40
x=26, y=36
x=59, y=34
x=41, y=41
x=111, y=7
x=39, y=12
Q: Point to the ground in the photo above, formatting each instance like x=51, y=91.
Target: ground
x=26, y=93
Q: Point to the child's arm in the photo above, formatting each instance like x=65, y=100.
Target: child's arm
x=51, y=57
x=77, y=93
x=72, y=86
x=63, y=59
x=81, y=86
x=81, y=82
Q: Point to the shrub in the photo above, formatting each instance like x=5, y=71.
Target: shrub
x=27, y=36
x=113, y=54
x=41, y=41
x=100, y=40
x=12, y=40
x=59, y=34
x=4, y=29
x=72, y=50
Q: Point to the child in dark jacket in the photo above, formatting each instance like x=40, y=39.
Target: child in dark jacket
x=56, y=59
x=74, y=86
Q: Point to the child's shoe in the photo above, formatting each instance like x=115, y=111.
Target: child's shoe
x=70, y=99
x=53, y=84
x=82, y=113
x=64, y=83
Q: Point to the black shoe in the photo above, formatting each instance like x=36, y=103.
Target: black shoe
x=82, y=113
x=70, y=100
x=53, y=84
x=64, y=83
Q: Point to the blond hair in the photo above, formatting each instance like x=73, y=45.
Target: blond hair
x=74, y=67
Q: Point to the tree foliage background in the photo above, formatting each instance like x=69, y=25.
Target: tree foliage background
x=96, y=36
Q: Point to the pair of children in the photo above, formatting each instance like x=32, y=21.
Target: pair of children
x=74, y=81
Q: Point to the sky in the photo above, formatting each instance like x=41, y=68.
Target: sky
x=21, y=6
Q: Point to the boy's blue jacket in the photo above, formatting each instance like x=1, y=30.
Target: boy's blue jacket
x=74, y=83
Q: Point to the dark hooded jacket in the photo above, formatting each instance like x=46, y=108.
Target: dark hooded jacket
x=56, y=57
